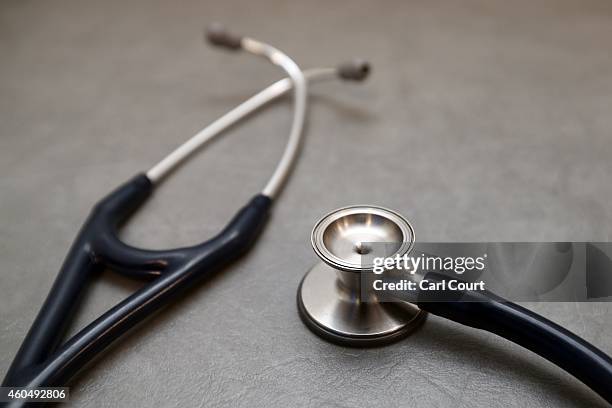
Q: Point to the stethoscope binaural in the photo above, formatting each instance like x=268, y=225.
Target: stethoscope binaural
x=41, y=360
x=336, y=299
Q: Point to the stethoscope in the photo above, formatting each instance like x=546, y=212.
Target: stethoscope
x=337, y=301
x=41, y=360
x=332, y=299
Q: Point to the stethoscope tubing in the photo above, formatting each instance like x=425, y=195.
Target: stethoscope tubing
x=486, y=311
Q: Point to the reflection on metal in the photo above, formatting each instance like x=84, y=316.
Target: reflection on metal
x=331, y=296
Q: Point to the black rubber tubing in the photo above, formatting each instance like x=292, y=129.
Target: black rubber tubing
x=487, y=311
x=40, y=362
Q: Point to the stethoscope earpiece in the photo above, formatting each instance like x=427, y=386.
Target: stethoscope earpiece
x=335, y=299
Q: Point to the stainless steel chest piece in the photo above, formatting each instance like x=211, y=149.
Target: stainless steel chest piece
x=335, y=298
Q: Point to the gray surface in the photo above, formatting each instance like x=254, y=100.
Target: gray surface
x=483, y=121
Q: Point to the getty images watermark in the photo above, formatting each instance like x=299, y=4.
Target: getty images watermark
x=516, y=271
x=423, y=264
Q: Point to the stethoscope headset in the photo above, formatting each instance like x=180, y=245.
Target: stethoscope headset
x=41, y=361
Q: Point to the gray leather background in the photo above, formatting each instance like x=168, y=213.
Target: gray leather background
x=483, y=120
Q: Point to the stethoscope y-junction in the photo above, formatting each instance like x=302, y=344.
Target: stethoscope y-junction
x=41, y=359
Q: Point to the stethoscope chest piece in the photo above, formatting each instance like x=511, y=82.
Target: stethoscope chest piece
x=335, y=298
